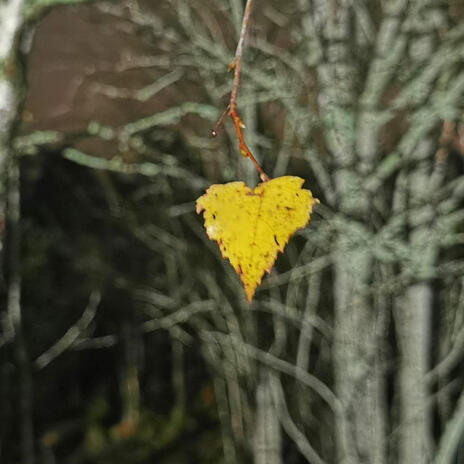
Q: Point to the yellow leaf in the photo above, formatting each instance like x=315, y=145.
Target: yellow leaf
x=250, y=226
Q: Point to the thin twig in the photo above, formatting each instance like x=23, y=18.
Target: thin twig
x=238, y=56
x=449, y=442
x=281, y=365
x=449, y=361
x=238, y=124
x=289, y=425
x=72, y=334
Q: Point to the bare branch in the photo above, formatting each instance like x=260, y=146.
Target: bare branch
x=283, y=366
x=72, y=334
x=290, y=427
x=452, y=435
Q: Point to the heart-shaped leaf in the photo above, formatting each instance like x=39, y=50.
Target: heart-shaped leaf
x=250, y=226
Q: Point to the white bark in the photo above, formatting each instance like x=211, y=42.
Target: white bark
x=413, y=311
x=359, y=376
x=267, y=440
x=413, y=330
x=413, y=318
x=10, y=24
x=359, y=380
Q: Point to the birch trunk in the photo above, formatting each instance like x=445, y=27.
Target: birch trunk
x=359, y=377
x=267, y=440
x=359, y=381
x=413, y=330
x=10, y=24
x=413, y=311
x=11, y=20
x=22, y=362
x=413, y=315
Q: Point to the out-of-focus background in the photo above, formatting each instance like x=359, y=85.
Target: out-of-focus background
x=126, y=338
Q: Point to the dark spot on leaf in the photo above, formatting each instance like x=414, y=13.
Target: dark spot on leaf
x=275, y=240
x=214, y=216
x=239, y=269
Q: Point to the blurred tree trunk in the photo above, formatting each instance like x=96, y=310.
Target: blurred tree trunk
x=267, y=447
x=11, y=22
x=414, y=309
x=359, y=381
x=413, y=315
x=351, y=111
x=10, y=25
x=23, y=365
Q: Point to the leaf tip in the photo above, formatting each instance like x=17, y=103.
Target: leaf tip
x=249, y=293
